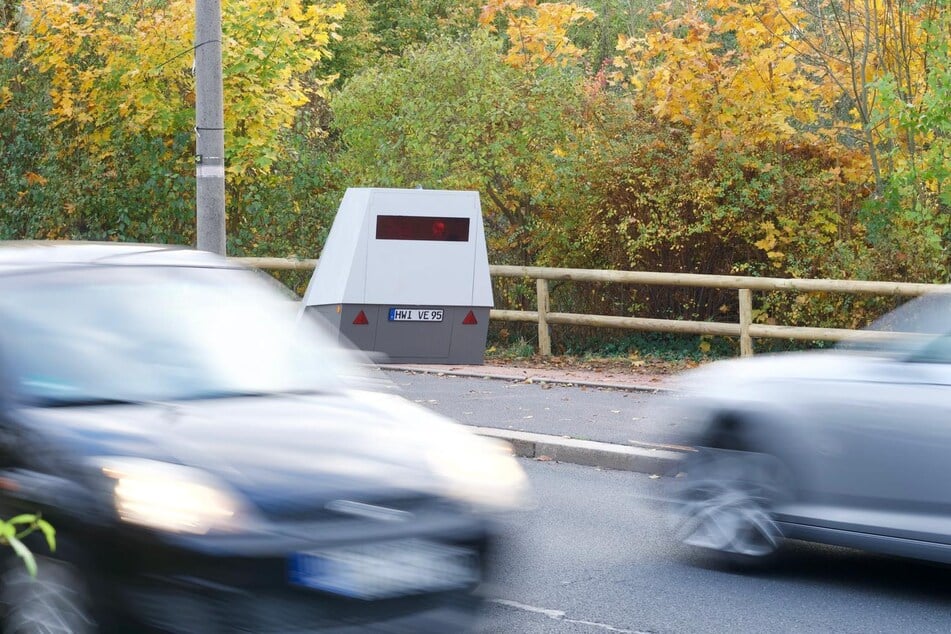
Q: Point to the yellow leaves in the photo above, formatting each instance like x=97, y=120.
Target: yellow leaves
x=537, y=32
x=723, y=69
x=493, y=8
x=769, y=243
x=113, y=70
x=100, y=137
x=335, y=11
x=627, y=44
x=9, y=40
x=63, y=104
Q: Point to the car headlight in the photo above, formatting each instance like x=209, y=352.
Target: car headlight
x=170, y=497
x=481, y=472
x=478, y=471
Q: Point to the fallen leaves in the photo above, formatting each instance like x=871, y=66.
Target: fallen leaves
x=32, y=178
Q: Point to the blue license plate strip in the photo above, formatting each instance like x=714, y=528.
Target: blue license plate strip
x=384, y=570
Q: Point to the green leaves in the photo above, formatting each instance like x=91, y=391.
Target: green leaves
x=15, y=529
x=453, y=115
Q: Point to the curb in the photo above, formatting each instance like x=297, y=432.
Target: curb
x=630, y=387
x=586, y=452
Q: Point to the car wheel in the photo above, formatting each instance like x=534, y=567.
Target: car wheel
x=723, y=503
x=54, y=602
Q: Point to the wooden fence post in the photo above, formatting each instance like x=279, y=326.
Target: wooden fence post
x=746, y=318
x=544, y=338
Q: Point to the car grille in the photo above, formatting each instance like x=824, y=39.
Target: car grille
x=178, y=611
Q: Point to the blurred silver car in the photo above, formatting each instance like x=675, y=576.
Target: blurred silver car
x=850, y=446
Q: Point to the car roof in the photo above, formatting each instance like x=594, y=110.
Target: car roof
x=43, y=254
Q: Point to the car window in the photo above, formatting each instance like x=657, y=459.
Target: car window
x=158, y=333
x=925, y=314
x=910, y=328
x=938, y=350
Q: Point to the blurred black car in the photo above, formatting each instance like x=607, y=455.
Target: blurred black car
x=213, y=463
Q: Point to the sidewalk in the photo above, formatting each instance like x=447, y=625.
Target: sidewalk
x=608, y=378
x=644, y=458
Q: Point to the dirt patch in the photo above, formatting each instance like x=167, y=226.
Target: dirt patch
x=614, y=365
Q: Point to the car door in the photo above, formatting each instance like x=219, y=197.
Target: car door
x=883, y=446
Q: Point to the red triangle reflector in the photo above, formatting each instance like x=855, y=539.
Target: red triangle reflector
x=470, y=319
x=361, y=319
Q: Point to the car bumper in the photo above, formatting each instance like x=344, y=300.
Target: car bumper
x=176, y=607
x=183, y=585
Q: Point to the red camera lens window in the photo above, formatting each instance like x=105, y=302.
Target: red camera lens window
x=422, y=228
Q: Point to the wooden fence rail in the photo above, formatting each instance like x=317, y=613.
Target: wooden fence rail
x=745, y=329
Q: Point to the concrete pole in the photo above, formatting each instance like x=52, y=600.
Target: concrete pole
x=209, y=128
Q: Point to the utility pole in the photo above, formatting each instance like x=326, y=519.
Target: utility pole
x=209, y=128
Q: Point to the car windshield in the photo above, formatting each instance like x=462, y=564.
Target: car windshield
x=99, y=334
x=908, y=328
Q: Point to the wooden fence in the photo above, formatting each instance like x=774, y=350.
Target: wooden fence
x=745, y=329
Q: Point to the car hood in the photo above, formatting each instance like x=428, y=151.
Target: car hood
x=280, y=452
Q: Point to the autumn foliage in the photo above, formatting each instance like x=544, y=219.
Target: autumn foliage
x=119, y=100
x=537, y=32
x=765, y=137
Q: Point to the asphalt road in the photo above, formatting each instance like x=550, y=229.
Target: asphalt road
x=606, y=415
x=593, y=557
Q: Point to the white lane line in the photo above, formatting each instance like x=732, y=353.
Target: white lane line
x=558, y=615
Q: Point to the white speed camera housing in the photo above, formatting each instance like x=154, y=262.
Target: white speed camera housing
x=405, y=273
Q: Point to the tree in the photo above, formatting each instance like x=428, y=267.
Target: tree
x=613, y=19
x=857, y=82
x=452, y=115
x=887, y=64
x=123, y=67
x=851, y=46
x=722, y=70
x=537, y=33
x=402, y=24
x=116, y=154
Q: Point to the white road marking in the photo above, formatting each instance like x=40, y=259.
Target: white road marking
x=559, y=615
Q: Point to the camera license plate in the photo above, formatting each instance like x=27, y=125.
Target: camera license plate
x=386, y=569
x=415, y=314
